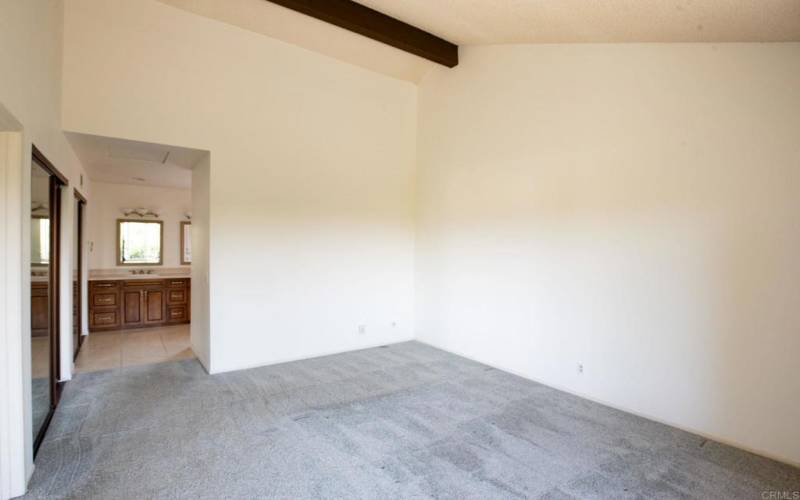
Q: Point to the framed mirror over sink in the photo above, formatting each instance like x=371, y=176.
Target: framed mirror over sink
x=186, y=243
x=140, y=242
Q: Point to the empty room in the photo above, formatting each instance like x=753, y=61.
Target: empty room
x=375, y=249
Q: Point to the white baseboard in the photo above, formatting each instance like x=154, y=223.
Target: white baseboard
x=312, y=356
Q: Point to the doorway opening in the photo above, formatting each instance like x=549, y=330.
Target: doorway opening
x=138, y=258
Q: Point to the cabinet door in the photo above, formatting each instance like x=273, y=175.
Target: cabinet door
x=154, y=305
x=40, y=316
x=131, y=307
x=40, y=309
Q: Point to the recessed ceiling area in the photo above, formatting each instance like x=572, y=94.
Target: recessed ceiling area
x=121, y=161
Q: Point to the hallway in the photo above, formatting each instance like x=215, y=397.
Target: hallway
x=125, y=348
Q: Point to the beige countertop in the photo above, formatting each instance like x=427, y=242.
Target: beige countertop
x=131, y=277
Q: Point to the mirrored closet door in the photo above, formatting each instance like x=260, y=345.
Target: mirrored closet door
x=77, y=271
x=46, y=184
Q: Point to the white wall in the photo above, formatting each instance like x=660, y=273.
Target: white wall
x=108, y=200
x=30, y=93
x=15, y=369
x=615, y=206
x=631, y=208
x=311, y=175
x=201, y=312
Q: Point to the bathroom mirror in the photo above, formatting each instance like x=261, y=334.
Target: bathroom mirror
x=186, y=243
x=140, y=242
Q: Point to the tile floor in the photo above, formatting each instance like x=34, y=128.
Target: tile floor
x=112, y=350
x=40, y=356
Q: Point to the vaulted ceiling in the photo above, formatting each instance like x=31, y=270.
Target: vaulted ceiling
x=482, y=22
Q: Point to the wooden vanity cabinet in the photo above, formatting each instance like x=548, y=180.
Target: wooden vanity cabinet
x=40, y=309
x=139, y=303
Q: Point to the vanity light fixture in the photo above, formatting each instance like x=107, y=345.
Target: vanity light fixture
x=139, y=212
x=37, y=206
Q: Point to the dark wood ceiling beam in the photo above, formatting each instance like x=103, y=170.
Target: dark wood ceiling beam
x=378, y=26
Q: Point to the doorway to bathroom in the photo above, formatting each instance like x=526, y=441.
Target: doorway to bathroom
x=138, y=259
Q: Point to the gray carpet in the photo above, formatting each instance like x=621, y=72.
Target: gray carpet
x=404, y=421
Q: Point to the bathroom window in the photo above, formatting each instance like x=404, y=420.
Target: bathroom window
x=139, y=243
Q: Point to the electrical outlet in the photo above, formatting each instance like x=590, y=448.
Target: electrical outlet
x=362, y=329
x=580, y=368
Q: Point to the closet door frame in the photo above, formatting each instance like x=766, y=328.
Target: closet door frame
x=80, y=206
x=57, y=182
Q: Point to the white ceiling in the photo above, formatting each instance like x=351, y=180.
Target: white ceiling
x=482, y=22
x=121, y=161
x=274, y=21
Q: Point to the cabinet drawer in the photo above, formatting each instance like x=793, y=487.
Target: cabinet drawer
x=177, y=314
x=177, y=283
x=104, y=285
x=104, y=318
x=144, y=284
x=105, y=299
x=177, y=296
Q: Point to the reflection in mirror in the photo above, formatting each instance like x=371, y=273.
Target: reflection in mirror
x=40, y=296
x=186, y=243
x=139, y=242
x=40, y=239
